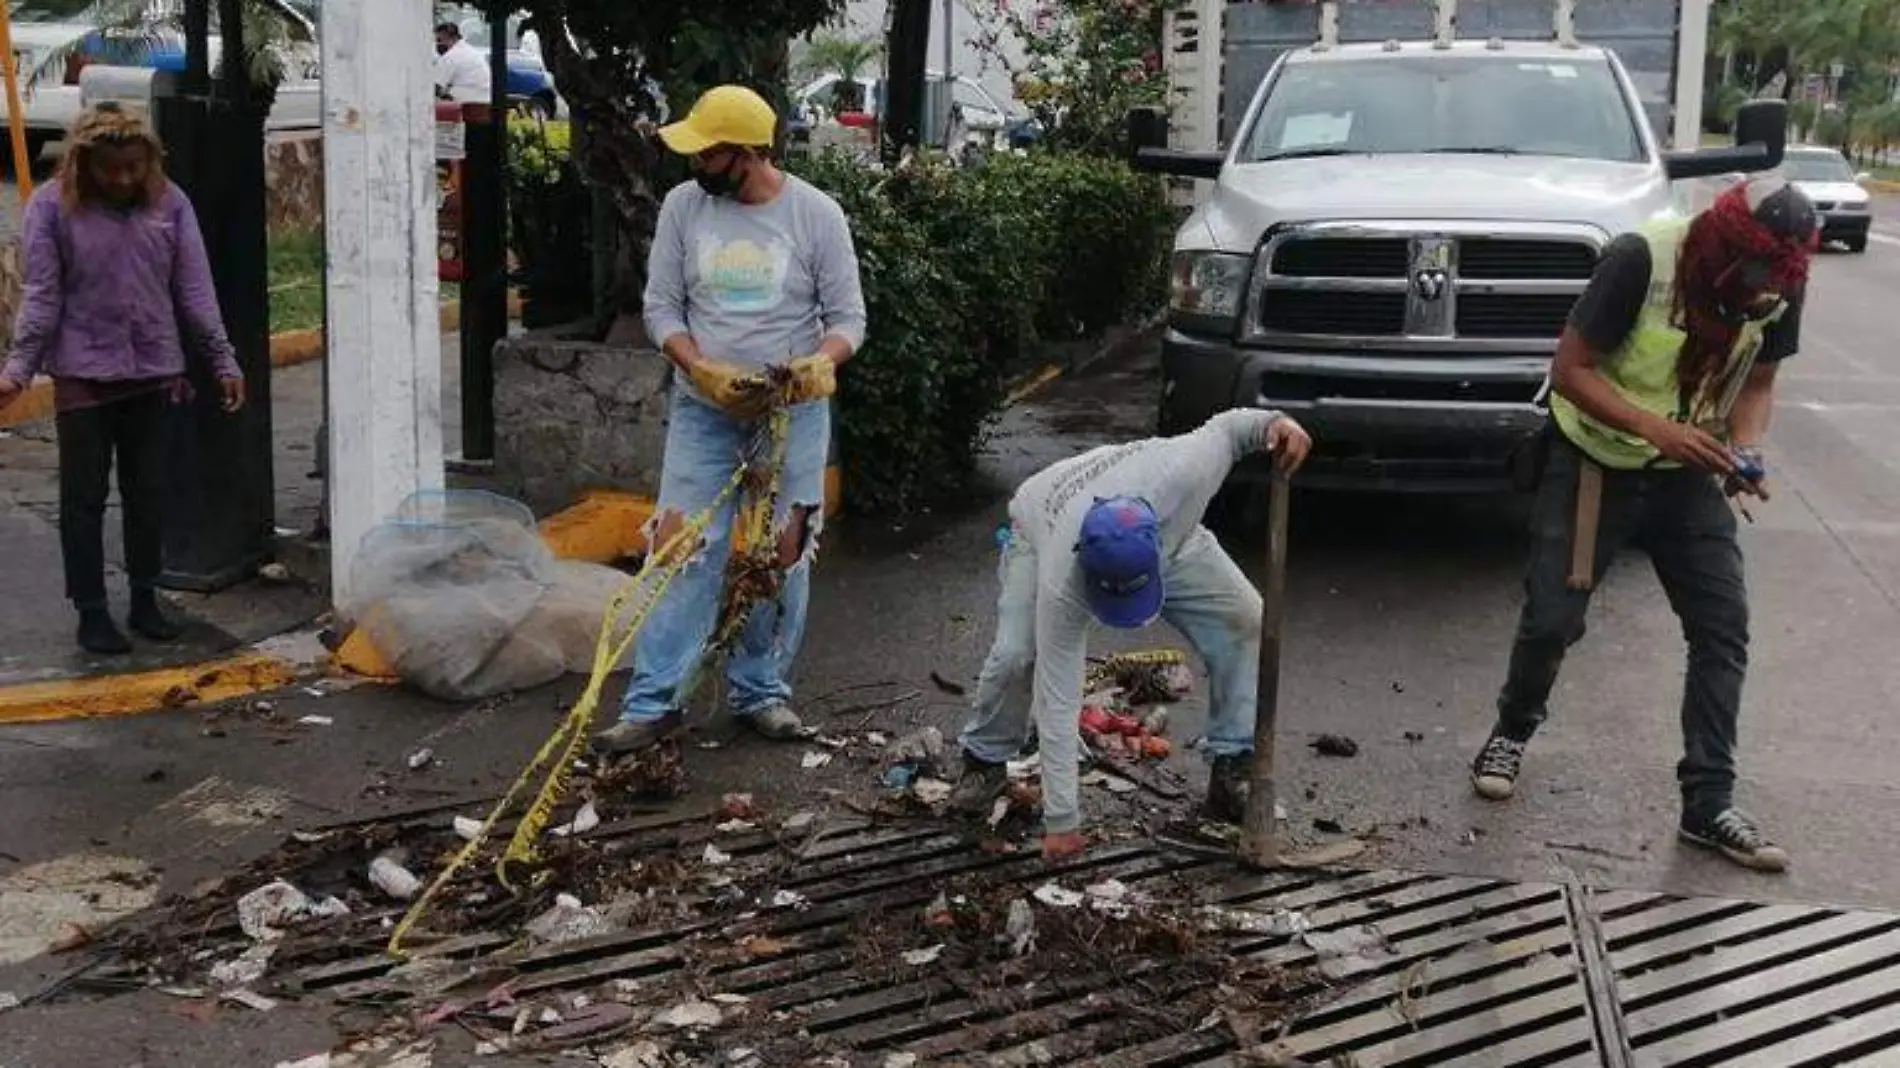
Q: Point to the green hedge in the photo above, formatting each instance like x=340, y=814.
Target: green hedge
x=549, y=211
x=964, y=272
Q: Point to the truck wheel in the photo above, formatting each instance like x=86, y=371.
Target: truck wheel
x=1856, y=244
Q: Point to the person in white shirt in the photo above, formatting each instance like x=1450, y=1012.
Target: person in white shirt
x=461, y=71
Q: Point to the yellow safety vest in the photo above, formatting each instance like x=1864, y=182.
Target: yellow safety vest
x=1643, y=369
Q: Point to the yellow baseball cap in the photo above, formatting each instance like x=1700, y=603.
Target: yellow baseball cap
x=723, y=115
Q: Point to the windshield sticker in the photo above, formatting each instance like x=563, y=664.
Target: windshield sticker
x=1555, y=70
x=1324, y=128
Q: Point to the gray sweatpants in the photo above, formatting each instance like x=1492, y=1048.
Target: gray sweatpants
x=1683, y=521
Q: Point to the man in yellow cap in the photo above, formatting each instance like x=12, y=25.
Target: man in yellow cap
x=751, y=267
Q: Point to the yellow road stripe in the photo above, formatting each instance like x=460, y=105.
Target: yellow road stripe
x=130, y=694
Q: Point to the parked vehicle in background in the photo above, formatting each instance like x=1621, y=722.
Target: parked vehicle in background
x=1829, y=180
x=50, y=95
x=1398, y=222
x=823, y=99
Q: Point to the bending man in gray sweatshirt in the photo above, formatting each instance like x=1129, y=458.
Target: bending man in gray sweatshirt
x=1114, y=536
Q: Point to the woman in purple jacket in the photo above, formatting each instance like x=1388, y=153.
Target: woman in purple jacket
x=117, y=284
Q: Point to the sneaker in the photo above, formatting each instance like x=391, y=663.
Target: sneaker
x=149, y=620
x=1228, y=787
x=99, y=635
x=978, y=787
x=1734, y=835
x=1494, y=773
x=777, y=722
x=633, y=736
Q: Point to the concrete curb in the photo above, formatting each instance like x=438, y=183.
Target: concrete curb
x=131, y=694
x=604, y=527
x=288, y=349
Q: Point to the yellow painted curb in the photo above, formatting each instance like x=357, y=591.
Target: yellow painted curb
x=130, y=694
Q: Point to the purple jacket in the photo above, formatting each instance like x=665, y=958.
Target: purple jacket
x=107, y=294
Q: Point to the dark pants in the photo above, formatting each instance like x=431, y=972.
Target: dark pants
x=1684, y=522
x=131, y=428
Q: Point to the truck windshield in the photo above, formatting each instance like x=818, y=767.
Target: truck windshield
x=1492, y=104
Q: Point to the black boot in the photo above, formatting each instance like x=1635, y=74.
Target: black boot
x=1227, y=788
x=99, y=635
x=149, y=619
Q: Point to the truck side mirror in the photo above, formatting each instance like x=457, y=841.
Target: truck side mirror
x=1147, y=128
x=1149, y=153
x=1764, y=123
x=1761, y=139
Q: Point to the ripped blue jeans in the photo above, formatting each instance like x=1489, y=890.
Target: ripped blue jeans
x=704, y=446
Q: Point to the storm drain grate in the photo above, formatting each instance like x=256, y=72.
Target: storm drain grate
x=1745, y=985
x=1443, y=970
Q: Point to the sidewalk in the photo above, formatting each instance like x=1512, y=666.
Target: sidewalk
x=36, y=643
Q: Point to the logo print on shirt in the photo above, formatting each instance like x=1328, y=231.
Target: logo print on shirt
x=742, y=275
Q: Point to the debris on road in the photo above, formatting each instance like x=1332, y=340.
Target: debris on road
x=9, y=1001
x=814, y=760
x=249, y=999
x=690, y=1015
x=586, y=819
x=466, y=828
x=421, y=758
x=643, y=1054
x=568, y=921
x=316, y=721
x=1019, y=930
x=1335, y=745
x=1057, y=897
x=248, y=968
x=951, y=688
x=387, y=874
x=266, y=911
x=1280, y=923
x=917, y=958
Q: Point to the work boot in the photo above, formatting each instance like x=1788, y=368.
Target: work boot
x=634, y=736
x=1228, y=787
x=99, y=635
x=775, y=721
x=148, y=618
x=978, y=787
x=1494, y=772
x=1733, y=834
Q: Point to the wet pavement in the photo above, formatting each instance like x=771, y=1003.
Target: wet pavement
x=1398, y=622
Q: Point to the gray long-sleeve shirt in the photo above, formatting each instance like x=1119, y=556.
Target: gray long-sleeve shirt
x=754, y=284
x=1178, y=477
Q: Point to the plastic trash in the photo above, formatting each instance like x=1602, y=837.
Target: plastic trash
x=388, y=875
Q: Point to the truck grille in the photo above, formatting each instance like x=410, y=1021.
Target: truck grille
x=1335, y=313
x=1493, y=258
x=1410, y=286
x=1343, y=257
x=1491, y=315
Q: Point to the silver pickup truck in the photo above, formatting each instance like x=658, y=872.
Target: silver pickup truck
x=1394, y=236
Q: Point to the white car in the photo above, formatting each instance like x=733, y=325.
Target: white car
x=981, y=111
x=1828, y=180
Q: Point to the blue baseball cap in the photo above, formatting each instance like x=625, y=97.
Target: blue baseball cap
x=1119, y=551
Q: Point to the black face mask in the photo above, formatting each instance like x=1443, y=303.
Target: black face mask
x=720, y=183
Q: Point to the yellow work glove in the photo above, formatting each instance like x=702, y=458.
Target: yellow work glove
x=739, y=393
x=813, y=378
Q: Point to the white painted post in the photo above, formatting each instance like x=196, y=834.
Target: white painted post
x=383, y=340
x=1692, y=46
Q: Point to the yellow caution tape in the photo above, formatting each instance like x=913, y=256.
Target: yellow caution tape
x=625, y=615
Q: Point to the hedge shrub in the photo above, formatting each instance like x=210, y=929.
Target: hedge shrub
x=964, y=271
x=549, y=212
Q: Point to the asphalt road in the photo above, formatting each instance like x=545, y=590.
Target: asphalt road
x=1399, y=619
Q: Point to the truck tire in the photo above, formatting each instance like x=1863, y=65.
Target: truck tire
x=1856, y=244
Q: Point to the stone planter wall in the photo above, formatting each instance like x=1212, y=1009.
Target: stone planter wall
x=575, y=416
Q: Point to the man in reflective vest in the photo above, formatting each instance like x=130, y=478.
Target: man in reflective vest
x=1661, y=391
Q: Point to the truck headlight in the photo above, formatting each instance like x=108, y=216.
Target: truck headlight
x=1208, y=285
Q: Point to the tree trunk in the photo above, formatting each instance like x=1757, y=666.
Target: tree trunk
x=615, y=149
